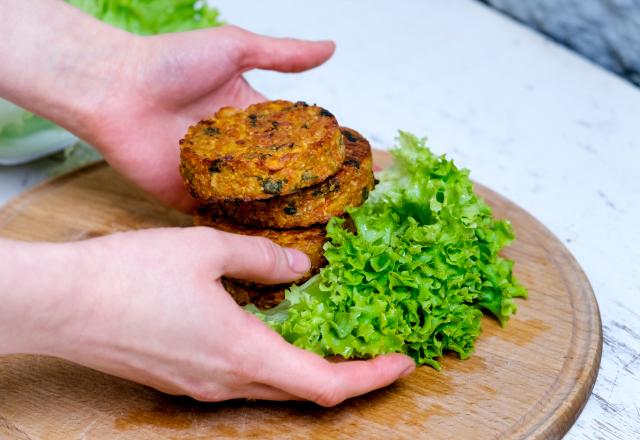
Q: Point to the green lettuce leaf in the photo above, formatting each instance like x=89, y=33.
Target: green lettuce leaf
x=150, y=17
x=16, y=123
x=415, y=277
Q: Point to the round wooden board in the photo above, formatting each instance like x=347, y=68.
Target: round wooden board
x=528, y=380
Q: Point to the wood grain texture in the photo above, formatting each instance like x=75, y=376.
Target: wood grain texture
x=528, y=380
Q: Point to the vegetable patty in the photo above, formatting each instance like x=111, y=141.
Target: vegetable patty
x=269, y=149
x=350, y=186
x=263, y=296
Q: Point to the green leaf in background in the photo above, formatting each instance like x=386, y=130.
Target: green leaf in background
x=150, y=17
x=415, y=276
x=25, y=135
x=16, y=123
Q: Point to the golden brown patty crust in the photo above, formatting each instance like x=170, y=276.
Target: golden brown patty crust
x=350, y=186
x=264, y=297
x=268, y=149
x=308, y=240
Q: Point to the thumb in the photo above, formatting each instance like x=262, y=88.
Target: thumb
x=259, y=259
x=281, y=54
x=308, y=376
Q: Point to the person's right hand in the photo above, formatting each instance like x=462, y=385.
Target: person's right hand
x=166, y=83
x=151, y=308
x=132, y=97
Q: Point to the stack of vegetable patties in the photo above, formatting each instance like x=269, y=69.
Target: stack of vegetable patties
x=279, y=170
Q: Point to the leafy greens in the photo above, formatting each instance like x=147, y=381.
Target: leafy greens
x=416, y=275
x=150, y=17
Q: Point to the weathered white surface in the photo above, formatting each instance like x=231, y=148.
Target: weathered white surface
x=552, y=132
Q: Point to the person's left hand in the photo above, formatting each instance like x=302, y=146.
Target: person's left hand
x=165, y=83
x=149, y=306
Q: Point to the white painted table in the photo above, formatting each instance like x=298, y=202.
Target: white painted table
x=554, y=133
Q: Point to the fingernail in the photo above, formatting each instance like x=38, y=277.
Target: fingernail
x=298, y=261
x=408, y=371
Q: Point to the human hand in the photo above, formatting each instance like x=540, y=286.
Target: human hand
x=157, y=314
x=134, y=97
x=169, y=82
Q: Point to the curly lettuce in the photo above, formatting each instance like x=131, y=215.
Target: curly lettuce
x=415, y=275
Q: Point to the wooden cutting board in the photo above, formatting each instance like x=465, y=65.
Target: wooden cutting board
x=528, y=380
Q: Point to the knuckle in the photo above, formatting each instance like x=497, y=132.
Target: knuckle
x=242, y=368
x=245, y=47
x=269, y=254
x=242, y=374
x=249, y=369
x=209, y=394
x=237, y=39
x=249, y=365
x=234, y=31
x=207, y=242
x=330, y=395
x=205, y=234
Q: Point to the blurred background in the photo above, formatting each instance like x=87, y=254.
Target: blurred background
x=607, y=32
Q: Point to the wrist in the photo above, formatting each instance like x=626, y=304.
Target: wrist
x=61, y=63
x=100, y=87
x=39, y=295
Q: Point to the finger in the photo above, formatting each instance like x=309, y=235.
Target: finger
x=260, y=391
x=311, y=377
x=281, y=54
x=259, y=259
